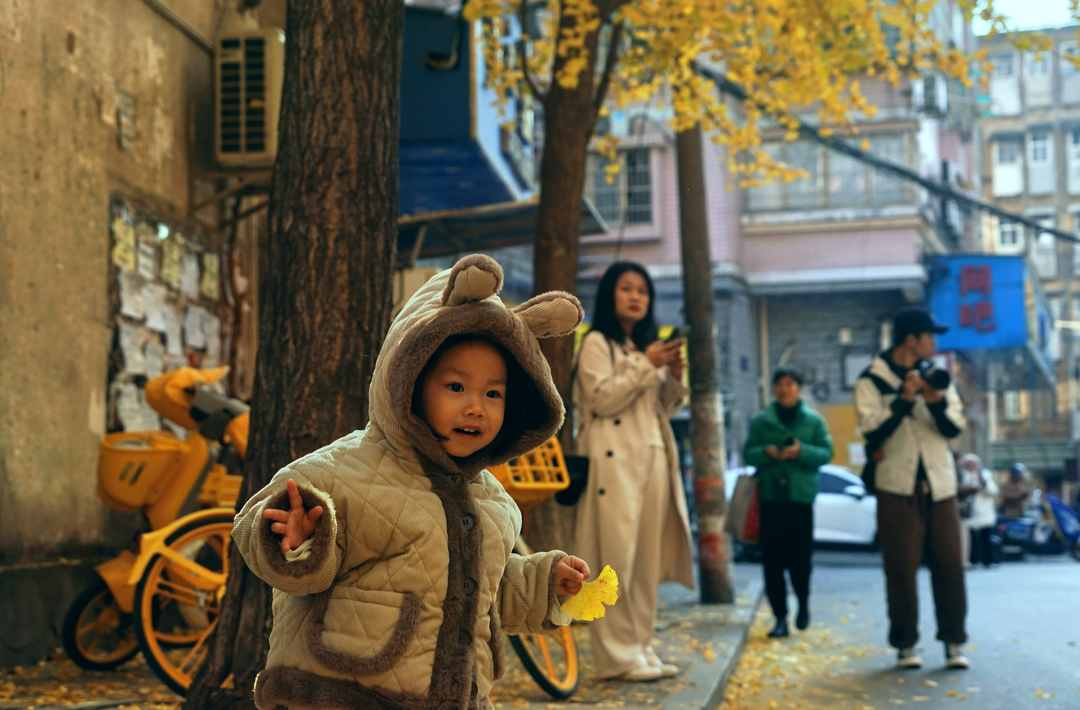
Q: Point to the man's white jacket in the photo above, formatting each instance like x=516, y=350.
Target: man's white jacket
x=908, y=432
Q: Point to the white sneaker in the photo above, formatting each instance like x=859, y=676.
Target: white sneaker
x=643, y=674
x=908, y=658
x=954, y=656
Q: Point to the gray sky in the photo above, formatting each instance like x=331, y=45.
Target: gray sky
x=1030, y=14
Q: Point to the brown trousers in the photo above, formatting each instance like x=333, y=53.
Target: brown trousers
x=910, y=527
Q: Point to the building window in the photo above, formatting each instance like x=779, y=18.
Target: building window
x=1038, y=64
x=1003, y=64
x=847, y=181
x=1040, y=148
x=1068, y=59
x=1047, y=404
x=805, y=192
x=833, y=179
x=1014, y=405
x=628, y=197
x=1007, y=153
x=1046, y=249
x=1009, y=235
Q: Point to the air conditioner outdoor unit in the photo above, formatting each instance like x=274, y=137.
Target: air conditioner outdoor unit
x=249, y=67
x=930, y=94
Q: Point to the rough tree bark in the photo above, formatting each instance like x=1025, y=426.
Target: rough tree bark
x=706, y=408
x=326, y=279
x=569, y=118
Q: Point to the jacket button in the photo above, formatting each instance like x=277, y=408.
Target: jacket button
x=610, y=454
x=618, y=422
x=470, y=586
x=602, y=491
x=468, y=521
x=474, y=691
x=464, y=638
x=456, y=479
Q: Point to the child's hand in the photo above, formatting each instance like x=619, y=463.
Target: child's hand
x=569, y=574
x=294, y=525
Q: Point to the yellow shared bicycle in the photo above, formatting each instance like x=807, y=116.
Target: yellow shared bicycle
x=162, y=596
x=551, y=660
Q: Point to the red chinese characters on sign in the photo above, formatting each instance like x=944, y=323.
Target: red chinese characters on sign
x=978, y=314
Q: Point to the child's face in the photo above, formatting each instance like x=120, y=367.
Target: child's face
x=464, y=397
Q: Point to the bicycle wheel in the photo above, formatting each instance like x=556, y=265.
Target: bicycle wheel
x=178, y=600
x=96, y=634
x=552, y=659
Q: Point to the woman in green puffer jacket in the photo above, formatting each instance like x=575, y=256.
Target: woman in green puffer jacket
x=788, y=443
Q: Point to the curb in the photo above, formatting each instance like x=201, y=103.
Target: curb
x=706, y=682
x=89, y=705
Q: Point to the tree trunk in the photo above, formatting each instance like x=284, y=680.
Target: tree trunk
x=706, y=408
x=569, y=118
x=326, y=279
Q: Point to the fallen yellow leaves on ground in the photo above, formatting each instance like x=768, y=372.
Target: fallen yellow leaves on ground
x=588, y=604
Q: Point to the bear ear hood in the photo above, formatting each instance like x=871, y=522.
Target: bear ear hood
x=464, y=300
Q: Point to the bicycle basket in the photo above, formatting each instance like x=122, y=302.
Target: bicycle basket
x=134, y=466
x=535, y=476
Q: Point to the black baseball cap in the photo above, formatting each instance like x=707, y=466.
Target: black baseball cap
x=915, y=320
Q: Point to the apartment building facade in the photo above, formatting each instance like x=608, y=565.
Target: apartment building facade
x=1031, y=155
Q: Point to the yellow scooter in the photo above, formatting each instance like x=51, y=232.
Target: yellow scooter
x=174, y=576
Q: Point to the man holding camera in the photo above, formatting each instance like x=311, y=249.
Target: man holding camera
x=908, y=410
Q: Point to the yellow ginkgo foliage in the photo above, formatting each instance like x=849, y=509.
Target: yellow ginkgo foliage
x=794, y=59
x=588, y=604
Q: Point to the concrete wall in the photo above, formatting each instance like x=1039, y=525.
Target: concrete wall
x=807, y=328
x=65, y=63
x=845, y=245
x=810, y=324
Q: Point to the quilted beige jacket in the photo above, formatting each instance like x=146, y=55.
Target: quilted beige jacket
x=412, y=575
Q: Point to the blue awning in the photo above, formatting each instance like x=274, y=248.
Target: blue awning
x=436, y=176
x=482, y=228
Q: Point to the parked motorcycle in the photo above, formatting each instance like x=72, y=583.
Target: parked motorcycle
x=1066, y=523
x=1051, y=527
x=191, y=483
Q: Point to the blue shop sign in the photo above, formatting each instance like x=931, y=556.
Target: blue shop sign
x=983, y=300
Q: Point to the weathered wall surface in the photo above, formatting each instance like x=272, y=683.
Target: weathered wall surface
x=66, y=64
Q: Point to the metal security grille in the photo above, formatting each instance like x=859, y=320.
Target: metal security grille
x=623, y=195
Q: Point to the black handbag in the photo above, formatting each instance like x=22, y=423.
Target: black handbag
x=577, y=467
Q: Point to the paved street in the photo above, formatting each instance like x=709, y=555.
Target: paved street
x=1024, y=647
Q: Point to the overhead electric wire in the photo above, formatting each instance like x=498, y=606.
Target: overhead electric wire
x=813, y=133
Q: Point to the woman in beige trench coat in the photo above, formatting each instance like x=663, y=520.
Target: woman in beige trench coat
x=633, y=513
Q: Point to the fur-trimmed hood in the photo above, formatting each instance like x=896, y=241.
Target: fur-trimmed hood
x=464, y=300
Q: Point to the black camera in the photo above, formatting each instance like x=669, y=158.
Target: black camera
x=935, y=377
x=788, y=442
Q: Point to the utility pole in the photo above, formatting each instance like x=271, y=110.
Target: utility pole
x=706, y=407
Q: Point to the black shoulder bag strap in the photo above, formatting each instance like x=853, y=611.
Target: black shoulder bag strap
x=869, y=472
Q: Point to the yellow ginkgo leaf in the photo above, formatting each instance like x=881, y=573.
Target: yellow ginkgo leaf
x=588, y=604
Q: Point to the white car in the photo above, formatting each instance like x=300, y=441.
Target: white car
x=844, y=513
